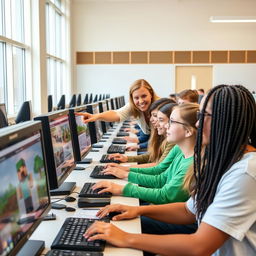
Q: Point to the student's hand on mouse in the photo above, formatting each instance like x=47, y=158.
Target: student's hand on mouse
x=107, y=186
x=132, y=148
x=120, y=157
x=126, y=212
x=108, y=232
x=119, y=173
x=87, y=117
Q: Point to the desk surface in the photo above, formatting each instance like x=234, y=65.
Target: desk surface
x=48, y=230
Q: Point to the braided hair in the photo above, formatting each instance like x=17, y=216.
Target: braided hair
x=233, y=126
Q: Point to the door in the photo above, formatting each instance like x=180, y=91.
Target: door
x=193, y=77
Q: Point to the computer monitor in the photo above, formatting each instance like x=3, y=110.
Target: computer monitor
x=100, y=97
x=50, y=103
x=103, y=108
x=62, y=103
x=25, y=113
x=59, y=153
x=104, y=96
x=96, y=132
x=24, y=193
x=72, y=102
x=86, y=99
x=91, y=98
x=95, y=98
x=79, y=100
x=3, y=116
x=108, y=96
x=112, y=103
x=117, y=103
x=80, y=133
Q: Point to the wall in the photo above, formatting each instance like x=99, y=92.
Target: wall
x=148, y=25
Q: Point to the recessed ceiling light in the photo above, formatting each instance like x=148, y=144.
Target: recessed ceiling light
x=230, y=19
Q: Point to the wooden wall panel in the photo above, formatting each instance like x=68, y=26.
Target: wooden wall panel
x=120, y=57
x=139, y=57
x=167, y=57
x=182, y=57
x=102, y=57
x=84, y=58
x=237, y=56
x=160, y=57
x=219, y=56
x=251, y=56
x=201, y=57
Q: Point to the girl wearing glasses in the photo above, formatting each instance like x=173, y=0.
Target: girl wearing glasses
x=163, y=182
x=158, y=147
x=223, y=187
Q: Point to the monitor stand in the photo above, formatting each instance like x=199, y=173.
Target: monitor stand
x=65, y=189
x=32, y=248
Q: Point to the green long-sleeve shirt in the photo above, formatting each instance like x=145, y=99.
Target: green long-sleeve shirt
x=161, y=183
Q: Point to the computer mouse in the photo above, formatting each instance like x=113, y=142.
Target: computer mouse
x=70, y=209
x=70, y=199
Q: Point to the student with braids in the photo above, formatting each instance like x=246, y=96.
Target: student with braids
x=162, y=183
x=223, y=190
x=159, y=147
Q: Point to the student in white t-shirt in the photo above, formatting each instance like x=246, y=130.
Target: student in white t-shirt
x=223, y=187
x=141, y=95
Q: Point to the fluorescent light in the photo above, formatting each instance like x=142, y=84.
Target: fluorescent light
x=230, y=19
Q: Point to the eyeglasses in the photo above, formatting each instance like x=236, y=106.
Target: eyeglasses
x=175, y=122
x=199, y=114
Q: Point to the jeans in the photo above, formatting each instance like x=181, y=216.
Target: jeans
x=151, y=226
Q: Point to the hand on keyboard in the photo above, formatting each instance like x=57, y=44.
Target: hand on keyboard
x=108, y=232
x=118, y=172
x=119, y=157
x=132, y=148
x=131, y=140
x=107, y=186
x=126, y=212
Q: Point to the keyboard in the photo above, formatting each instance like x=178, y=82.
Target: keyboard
x=87, y=191
x=105, y=159
x=119, y=141
x=116, y=149
x=72, y=253
x=70, y=236
x=98, y=174
x=122, y=134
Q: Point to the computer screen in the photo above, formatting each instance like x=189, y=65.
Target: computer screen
x=25, y=112
x=98, y=127
x=24, y=196
x=80, y=133
x=62, y=145
x=3, y=116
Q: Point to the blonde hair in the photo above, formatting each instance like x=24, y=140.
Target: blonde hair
x=189, y=95
x=135, y=86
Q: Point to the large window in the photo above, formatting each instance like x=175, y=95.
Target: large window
x=14, y=52
x=56, y=38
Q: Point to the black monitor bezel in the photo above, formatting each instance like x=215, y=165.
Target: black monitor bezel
x=74, y=135
x=46, y=119
x=16, y=133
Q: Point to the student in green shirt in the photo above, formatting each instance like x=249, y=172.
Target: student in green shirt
x=163, y=183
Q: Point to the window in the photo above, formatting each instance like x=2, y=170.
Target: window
x=56, y=38
x=14, y=52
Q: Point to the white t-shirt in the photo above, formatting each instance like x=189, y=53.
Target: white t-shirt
x=125, y=113
x=233, y=209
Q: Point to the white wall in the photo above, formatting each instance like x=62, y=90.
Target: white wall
x=116, y=79
x=142, y=25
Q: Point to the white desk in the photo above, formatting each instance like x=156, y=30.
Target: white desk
x=48, y=230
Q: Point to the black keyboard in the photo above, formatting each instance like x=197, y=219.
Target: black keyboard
x=122, y=134
x=70, y=236
x=87, y=191
x=72, y=253
x=105, y=159
x=119, y=141
x=98, y=174
x=116, y=149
